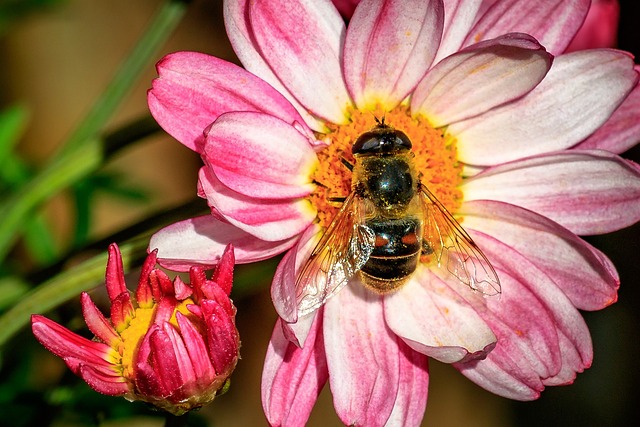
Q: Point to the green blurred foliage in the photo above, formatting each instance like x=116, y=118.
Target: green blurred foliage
x=11, y=11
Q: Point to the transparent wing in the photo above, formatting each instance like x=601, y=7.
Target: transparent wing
x=342, y=250
x=453, y=249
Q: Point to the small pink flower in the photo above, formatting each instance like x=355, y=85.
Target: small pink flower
x=174, y=345
x=600, y=28
x=519, y=141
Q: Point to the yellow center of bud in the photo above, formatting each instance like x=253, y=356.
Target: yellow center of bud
x=136, y=330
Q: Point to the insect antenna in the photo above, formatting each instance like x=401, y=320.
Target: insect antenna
x=347, y=164
x=380, y=122
x=337, y=199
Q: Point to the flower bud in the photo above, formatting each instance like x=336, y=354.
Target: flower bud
x=173, y=344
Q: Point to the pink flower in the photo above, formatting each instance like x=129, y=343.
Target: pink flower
x=174, y=345
x=508, y=133
x=600, y=28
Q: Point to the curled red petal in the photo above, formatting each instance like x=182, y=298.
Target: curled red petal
x=181, y=289
x=198, y=279
x=114, y=277
x=164, y=361
x=223, y=273
x=215, y=293
x=184, y=388
x=222, y=337
x=197, y=350
x=97, y=323
x=122, y=311
x=143, y=292
x=111, y=385
x=65, y=344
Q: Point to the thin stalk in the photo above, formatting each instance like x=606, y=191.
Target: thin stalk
x=67, y=285
x=60, y=170
x=59, y=283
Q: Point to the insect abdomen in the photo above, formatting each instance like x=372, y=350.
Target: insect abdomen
x=396, y=252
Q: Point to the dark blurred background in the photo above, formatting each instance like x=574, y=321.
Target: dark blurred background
x=56, y=58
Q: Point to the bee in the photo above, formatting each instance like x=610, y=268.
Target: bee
x=387, y=226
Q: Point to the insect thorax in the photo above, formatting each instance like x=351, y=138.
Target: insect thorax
x=388, y=181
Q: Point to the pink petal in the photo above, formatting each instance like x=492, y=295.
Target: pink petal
x=536, y=325
x=479, y=78
x=283, y=287
x=555, y=115
x=459, y=17
x=411, y=401
x=144, y=296
x=293, y=377
x=193, y=89
x=223, y=273
x=213, y=292
x=588, y=192
x=259, y=155
x=164, y=361
x=122, y=311
x=567, y=374
x=298, y=332
x=65, y=344
x=196, y=349
x=266, y=219
x=302, y=44
x=148, y=382
x=103, y=383
x=114, y=277
x=182, y=290
x=553, y=23
x=99, y=325
x=346, y=7
x=164, y=309
x=504, y=373
x=583, y=273
x=200, y=241
x=434, y=320
x=363, y=357
x=409, y=31
x=236, y=18
x=622, y=130
x=222, y=337
x=600, y=28
x=184, y=365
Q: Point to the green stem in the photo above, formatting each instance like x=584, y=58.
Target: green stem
x=59, y=284
x=159, y=30
x=70, y=163
x=67, y=285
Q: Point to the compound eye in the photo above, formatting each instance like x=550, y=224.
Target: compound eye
x=366, y=143
x=381, y=140
x=402, y=140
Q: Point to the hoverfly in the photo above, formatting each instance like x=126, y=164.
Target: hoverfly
x=387, y=225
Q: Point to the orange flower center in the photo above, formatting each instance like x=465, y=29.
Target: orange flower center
x=435, y=158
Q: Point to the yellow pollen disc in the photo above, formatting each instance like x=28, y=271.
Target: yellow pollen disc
x=132, y=336
x=182, y=308
x=435, y=158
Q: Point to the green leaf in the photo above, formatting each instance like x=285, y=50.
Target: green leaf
x=13, y=122
x=11, y=290
x=59, y=173
x=66, y=285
